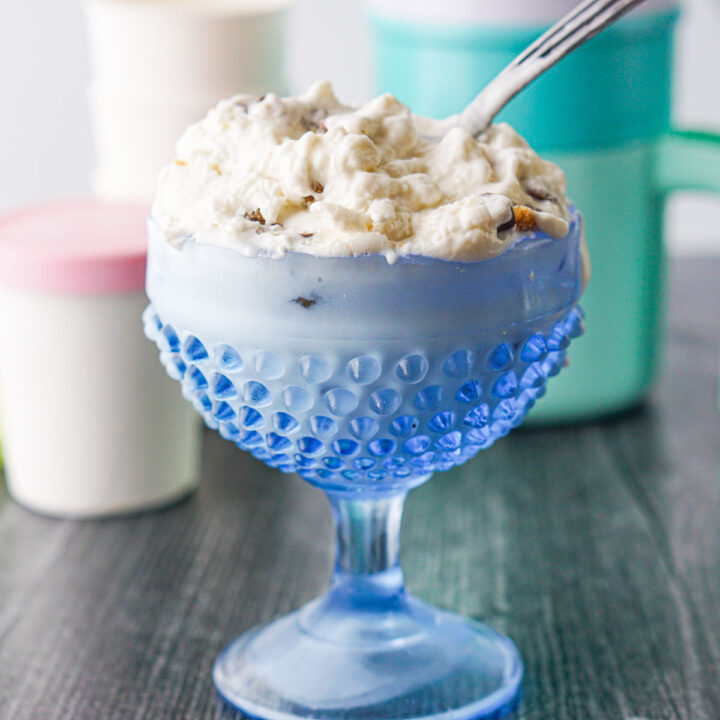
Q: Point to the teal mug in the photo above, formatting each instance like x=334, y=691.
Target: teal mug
x=603, y=115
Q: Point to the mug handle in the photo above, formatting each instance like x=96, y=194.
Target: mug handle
x=688, y=160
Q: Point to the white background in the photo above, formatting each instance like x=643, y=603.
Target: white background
x=45, y=143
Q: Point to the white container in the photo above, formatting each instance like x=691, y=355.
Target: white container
x=134, y=138
x=159, y=65
x=167, y=48
x=91, y=424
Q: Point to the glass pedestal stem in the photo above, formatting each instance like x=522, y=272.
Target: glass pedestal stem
x=367, y=549
x=367, y=648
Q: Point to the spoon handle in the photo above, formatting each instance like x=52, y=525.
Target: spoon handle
x=572, y=30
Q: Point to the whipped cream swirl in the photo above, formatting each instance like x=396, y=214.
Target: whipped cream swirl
x=308, y=174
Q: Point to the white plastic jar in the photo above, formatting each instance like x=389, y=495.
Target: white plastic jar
x=91, y=424
x=158, y=65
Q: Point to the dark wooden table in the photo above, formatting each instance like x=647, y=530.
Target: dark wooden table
x=596, y=548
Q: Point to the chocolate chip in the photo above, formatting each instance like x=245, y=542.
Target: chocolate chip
x=508, y=224
x=306, y=235
x=309, y=199
x=304, y=302
x=255, y=216
x=538, y=191
x=314, y=122
x=310, y=125
x=316, y=187
x=261, y=98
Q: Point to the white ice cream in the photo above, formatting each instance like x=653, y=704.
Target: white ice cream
x=307, y=174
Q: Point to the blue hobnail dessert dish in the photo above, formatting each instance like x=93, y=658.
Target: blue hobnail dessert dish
x=365, y=378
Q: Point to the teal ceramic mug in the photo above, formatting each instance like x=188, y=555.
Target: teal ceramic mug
x=603, y=115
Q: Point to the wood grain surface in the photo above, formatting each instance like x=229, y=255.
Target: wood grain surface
x=596, y=548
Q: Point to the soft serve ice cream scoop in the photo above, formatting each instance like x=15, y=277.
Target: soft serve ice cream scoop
x=308, y=174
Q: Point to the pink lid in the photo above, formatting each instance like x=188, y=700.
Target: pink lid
x=77, y=246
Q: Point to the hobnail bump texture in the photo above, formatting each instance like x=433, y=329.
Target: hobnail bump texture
x=365, y=377
x=372, y=418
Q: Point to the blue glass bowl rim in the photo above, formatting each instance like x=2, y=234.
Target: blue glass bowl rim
x=521, y=243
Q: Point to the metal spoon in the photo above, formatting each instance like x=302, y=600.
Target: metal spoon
x=571, y=31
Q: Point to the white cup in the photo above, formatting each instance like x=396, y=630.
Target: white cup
x=134, y=138
x=159, y=65
x=92, y=426
x=167, y=48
